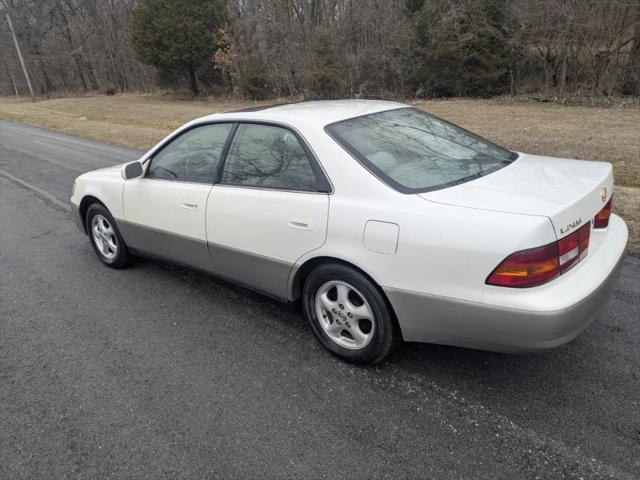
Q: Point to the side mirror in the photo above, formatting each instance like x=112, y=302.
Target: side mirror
x=132, y=170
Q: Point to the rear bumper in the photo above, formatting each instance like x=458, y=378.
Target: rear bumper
x=434, y=319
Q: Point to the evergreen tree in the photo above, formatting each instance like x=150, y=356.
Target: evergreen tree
x=254, y=81
x=325, y=79
x=462, y=48
x=177, y=36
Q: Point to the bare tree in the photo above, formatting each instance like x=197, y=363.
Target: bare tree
x=383, y=48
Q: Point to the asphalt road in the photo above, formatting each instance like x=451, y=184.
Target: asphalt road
x=160, y=372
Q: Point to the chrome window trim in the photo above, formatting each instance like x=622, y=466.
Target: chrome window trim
x=273, y=189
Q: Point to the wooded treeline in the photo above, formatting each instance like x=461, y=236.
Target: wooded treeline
x=324, y=48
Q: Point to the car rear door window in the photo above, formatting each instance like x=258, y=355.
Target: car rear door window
x=267, y=156
x=192, y=157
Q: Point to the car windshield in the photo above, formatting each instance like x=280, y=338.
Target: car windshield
x=416, y=152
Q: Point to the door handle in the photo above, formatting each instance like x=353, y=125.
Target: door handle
x=301, y=223
x=189, y=205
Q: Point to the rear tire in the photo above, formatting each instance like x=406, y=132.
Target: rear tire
x=105, y=237
x=348, y=314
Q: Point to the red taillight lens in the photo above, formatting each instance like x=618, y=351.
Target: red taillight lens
x=527, y=268
x=573, y=248
x=535, y=266
x=568, y=251
x=584, y=234
x=602, y=217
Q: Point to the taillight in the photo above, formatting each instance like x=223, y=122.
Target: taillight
x=601, y=219
x=573, y=248
x=535, y=266
x=583, y=234
x=527, y=268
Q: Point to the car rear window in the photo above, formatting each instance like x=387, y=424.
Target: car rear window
x=415, y=152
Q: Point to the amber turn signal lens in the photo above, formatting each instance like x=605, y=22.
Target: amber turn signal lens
x=535, y=266
x=601, y=219
x=527, y=268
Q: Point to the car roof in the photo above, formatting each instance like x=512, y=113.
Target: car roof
x=320, y=113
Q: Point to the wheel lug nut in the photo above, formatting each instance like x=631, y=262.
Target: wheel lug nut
x=350, y=315
x=341, y=307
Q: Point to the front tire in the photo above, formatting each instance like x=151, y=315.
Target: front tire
x=105, y=237
x=348, y=314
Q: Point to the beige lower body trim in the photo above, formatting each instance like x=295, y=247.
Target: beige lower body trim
x=257, y=272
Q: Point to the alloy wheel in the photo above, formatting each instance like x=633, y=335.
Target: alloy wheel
x=104, y=237
x=345, y=315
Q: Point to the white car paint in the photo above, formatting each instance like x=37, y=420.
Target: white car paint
x=279, y=225
x=431, y=253
x=563, y=191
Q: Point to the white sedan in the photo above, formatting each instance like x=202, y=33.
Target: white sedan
x=387, y=223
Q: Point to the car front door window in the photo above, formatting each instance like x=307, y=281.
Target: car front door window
x=193, y=157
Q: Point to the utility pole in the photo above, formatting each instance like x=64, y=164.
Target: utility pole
x=15, y=87
x=24, y=67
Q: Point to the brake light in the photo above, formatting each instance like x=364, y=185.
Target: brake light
x=601, y=219
x=584, y=234
x=527, y=268
x=573, y=248
x=535, y=266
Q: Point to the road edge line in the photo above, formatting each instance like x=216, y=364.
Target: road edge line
x=38, y=191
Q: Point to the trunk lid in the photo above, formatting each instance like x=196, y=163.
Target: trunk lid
x=569, y=192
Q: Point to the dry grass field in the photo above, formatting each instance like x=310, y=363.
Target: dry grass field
x=611, y=134
x=137, y=121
